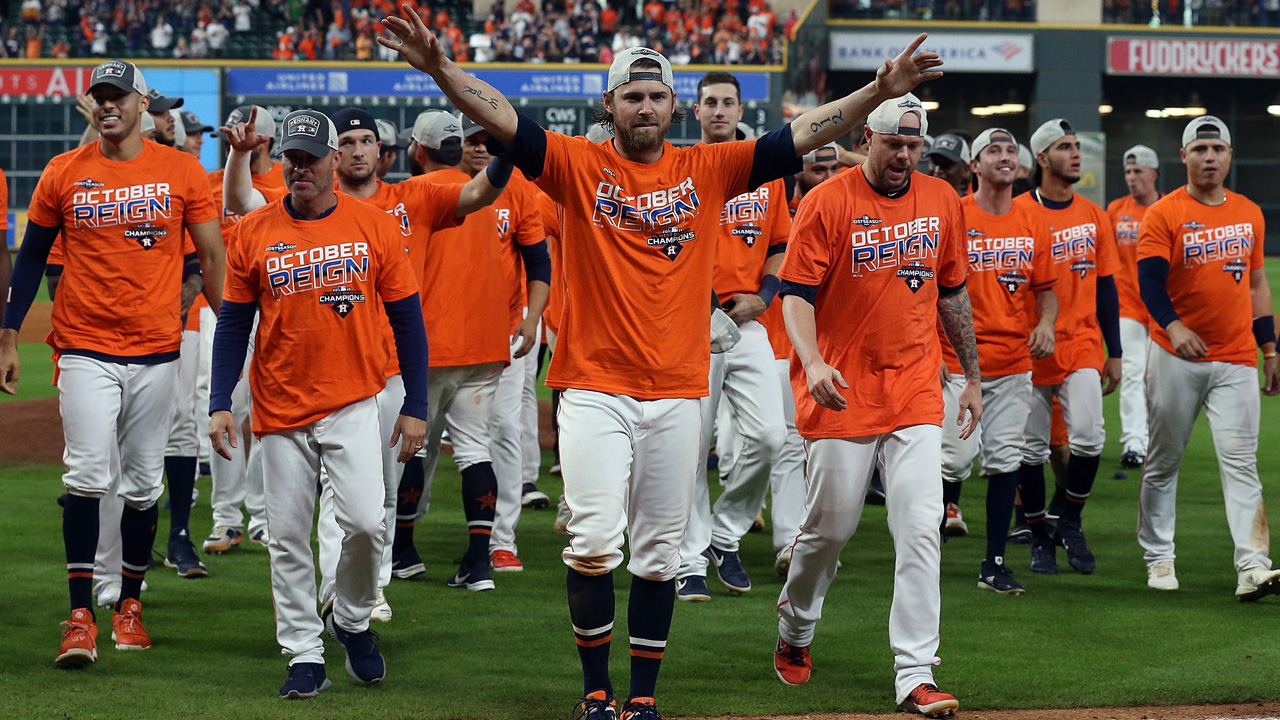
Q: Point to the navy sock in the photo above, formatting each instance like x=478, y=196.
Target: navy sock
x=1059, y=500
x=951, y=492
x=591, y=612
x=181, y=472
x=649, y=613
x=1081, y=472
x=137, y=534
x=1031, y=488
x=412, y=482
x=479, y=502
x=1001, y=490
x=80, y=536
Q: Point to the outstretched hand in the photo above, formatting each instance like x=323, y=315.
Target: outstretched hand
x=902, y=74
x=413, y=40
x=244, y=137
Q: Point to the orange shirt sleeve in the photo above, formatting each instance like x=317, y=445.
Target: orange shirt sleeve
x=1155, y=239
x=241, y=281
x=1257, y=259
x=953, y=250
x=557, y=165
x=732, y=161
x=198, y=200
x=1108, y=256
x=1042, y=272
x=808, y=257
x=396, y=280
x=529, y=229
x=441, y=203
x=46, y=202
x=780, y=227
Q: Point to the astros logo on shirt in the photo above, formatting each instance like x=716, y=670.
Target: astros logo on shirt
x=1012, y=280
x=342, y=299
x=914, y=274
x=145, y=234
x=1237, y=268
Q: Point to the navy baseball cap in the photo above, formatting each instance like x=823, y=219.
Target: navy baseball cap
x=120, y=74
x=160, y=103
x=310, y=131
x=350, y=118
x=192, y=125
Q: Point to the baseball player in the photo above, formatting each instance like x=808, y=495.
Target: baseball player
x=632, y=356
x=122, y=205
x=314, y=263
x=237, y=481
x=949, y=159
x=524, y=252
x=891, y=244
x=753, y=235
x=388, y=147
x=1083, y=250
x=1141, y=170
x=166, y=125
x=1008, y=254
x=1200, y=269
x=194, y=130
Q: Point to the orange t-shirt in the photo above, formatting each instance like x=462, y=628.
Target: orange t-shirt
x=772, y=321
x=878, y=263
x=552, y=219
x=465, y=300
x=1083, y=248
x=750, y=224
x=123, y=227
x=1211, y=251
x=270, y=180
x=637, y=262
x=1008, y=260
x=1126, y=217
x=319, y=285
x=519, y=212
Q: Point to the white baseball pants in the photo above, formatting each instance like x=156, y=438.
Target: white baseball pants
x=235, y=481
x=460, y=397
x=840, y=470
x=183, y=440
x=329, y=533
x=1133, y=389
x=106, y=405
x=107, y=559
x=1006, y=405
x=787, y=481
x=345, y=443
x=1081, y=397
x=744, y=377
x=532, y=445
x=628, y=467
x=1229, y=395
x=728, y=439
x=507, y=446
x=204, y=370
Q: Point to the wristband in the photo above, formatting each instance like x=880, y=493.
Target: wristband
x=499, y=172
x=1264, y=329
x=1268, y=356
x=769, y=286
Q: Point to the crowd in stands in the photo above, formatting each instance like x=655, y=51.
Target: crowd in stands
x=1243, y=13
x=688, y=31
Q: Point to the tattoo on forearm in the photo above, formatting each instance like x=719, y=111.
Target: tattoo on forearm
x=956, y=314
x=491, y=102
x=834, y=120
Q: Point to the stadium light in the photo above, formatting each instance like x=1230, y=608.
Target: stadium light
x=1104, y=109
x=1273, y=110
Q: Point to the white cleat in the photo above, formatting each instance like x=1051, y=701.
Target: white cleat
x=381, y=608
x=1256, y=583
x=1160, y=576
x=782, y=563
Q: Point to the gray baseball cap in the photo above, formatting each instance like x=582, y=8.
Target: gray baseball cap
x=1206, y=126
x=470, y=127
x=434, y=127
x=1049, y=133
x=192, y=125
x=121, y=74
x=387, y=135
x=263, y=124
x=160, y=103
x=827, y=153
x=952, y=147
x=310, y=131
x=991, y=136
x=1142, y=156
x=620, y=72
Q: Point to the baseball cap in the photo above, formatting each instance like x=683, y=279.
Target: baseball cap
x=827, y=153
x=745, y=132
x=990, y=136
x=434, y=127
x=121, y=74
x=951, y=147
x=886, y=119
x=179, y=131
x=160, y=103
x=191, y=123
x=148, y=123
x=263, y=124
x=598, y=133
x=1206, y=126
x=1025, y=159
x=1049, y=133
x=310, y=131
x=470, y=127
x=387, y=134
x=1142, y=156
x=620, y=72
x=350, y=118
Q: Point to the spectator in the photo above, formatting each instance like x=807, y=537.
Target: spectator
x=216, y=35
x=180, y=49
x=307, y=45
x=243, y=15
x=35, y=41
x=161, y=34
x=31, y=12
x=100, y=36
x=137, y=31
x=13, y=44
x=334, y=40
x=61, y=49
x=198, y=47
x=364, y=46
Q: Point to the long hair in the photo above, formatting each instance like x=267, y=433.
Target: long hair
x=602, y=117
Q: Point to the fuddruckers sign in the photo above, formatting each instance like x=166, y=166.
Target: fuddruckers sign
x=1193, y=57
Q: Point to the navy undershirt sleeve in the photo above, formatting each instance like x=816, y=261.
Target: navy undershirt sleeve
x=1153, y=273
x=1108, y=299
x=769, y=285
x=24, y=283
x=945, y=291
x=411, y=348
x=191, y=266
x=230, y=345
x=778, y=249
x=808, y=293
x=528, y=149
x=537, y=262
x=775, y=157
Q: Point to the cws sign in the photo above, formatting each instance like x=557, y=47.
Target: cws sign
x=45, y=81
x=962, y=52
x=1188, y=57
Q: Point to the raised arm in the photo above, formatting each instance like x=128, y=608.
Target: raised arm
x=899, y=76
x=474, y=97
x=238, y=194
x=485, y=188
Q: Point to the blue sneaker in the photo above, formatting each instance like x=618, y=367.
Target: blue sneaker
x=729, y=569
x=473, y=577
x=1044, y=557
x=306, y=680
x=692, y=588
x=407, y=563
x=181, y=556
x=364, y=662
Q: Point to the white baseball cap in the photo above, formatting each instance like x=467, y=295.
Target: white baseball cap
x=620, y=71
x=1049, y=133
x=598, y=133
x=745, y=132
x=827, y=153
x=179, y=129
x=148, y=123
x=1206, y=126
x=991, y=136
x=387, y=134
x=1025, y=158
x=263, y=123
x=433, y=127
x=886, y=119
x=1142, y=156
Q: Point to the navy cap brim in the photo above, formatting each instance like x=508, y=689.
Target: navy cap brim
x=116, y=82
x=307, y=145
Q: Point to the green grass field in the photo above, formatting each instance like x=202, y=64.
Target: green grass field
x=1072, y=640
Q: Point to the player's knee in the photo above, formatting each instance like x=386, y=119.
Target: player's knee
x=771, y=440
x=1088, y=444
x=591, y=562
x=658, y=562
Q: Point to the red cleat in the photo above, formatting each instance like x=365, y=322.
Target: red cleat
x=126, y=627
x=929, y=701
x=505, y=561
x=79, y=640
x=792, y=663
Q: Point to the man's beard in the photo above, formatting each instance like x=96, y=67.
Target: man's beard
x=634, y=140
